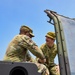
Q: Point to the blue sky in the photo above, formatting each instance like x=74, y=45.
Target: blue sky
x=14, y=13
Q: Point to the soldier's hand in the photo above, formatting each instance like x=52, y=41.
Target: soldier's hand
x=42, y=61
x=57, y=69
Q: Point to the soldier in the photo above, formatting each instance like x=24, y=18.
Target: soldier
x=49, y=49
x=17, y=50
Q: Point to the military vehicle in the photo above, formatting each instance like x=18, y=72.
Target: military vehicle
x=65, y=31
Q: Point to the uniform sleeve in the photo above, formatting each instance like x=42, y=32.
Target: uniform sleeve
x=42, y=47
x=27, y=43
x=29, y=57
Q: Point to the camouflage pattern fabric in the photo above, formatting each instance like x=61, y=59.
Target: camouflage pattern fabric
x=27, y=29
x=29, y=58
x=17, y=51
x=50, y=54
x=18, y=47
x=42, y=69
x=51, y=35
x=54, y=71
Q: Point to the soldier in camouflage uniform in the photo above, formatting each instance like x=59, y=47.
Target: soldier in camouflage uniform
x=49, y=49
x=17, y=50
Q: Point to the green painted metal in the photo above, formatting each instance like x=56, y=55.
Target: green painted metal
x=61, y=44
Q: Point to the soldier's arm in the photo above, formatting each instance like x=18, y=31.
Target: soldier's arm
x=36, y=51
x=30, y=45
x=29, y=57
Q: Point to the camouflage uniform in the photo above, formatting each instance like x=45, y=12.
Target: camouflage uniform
x=50, y=53
x=29, y=58
x=17, y=50
x=41, y=68
x=18, y=47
